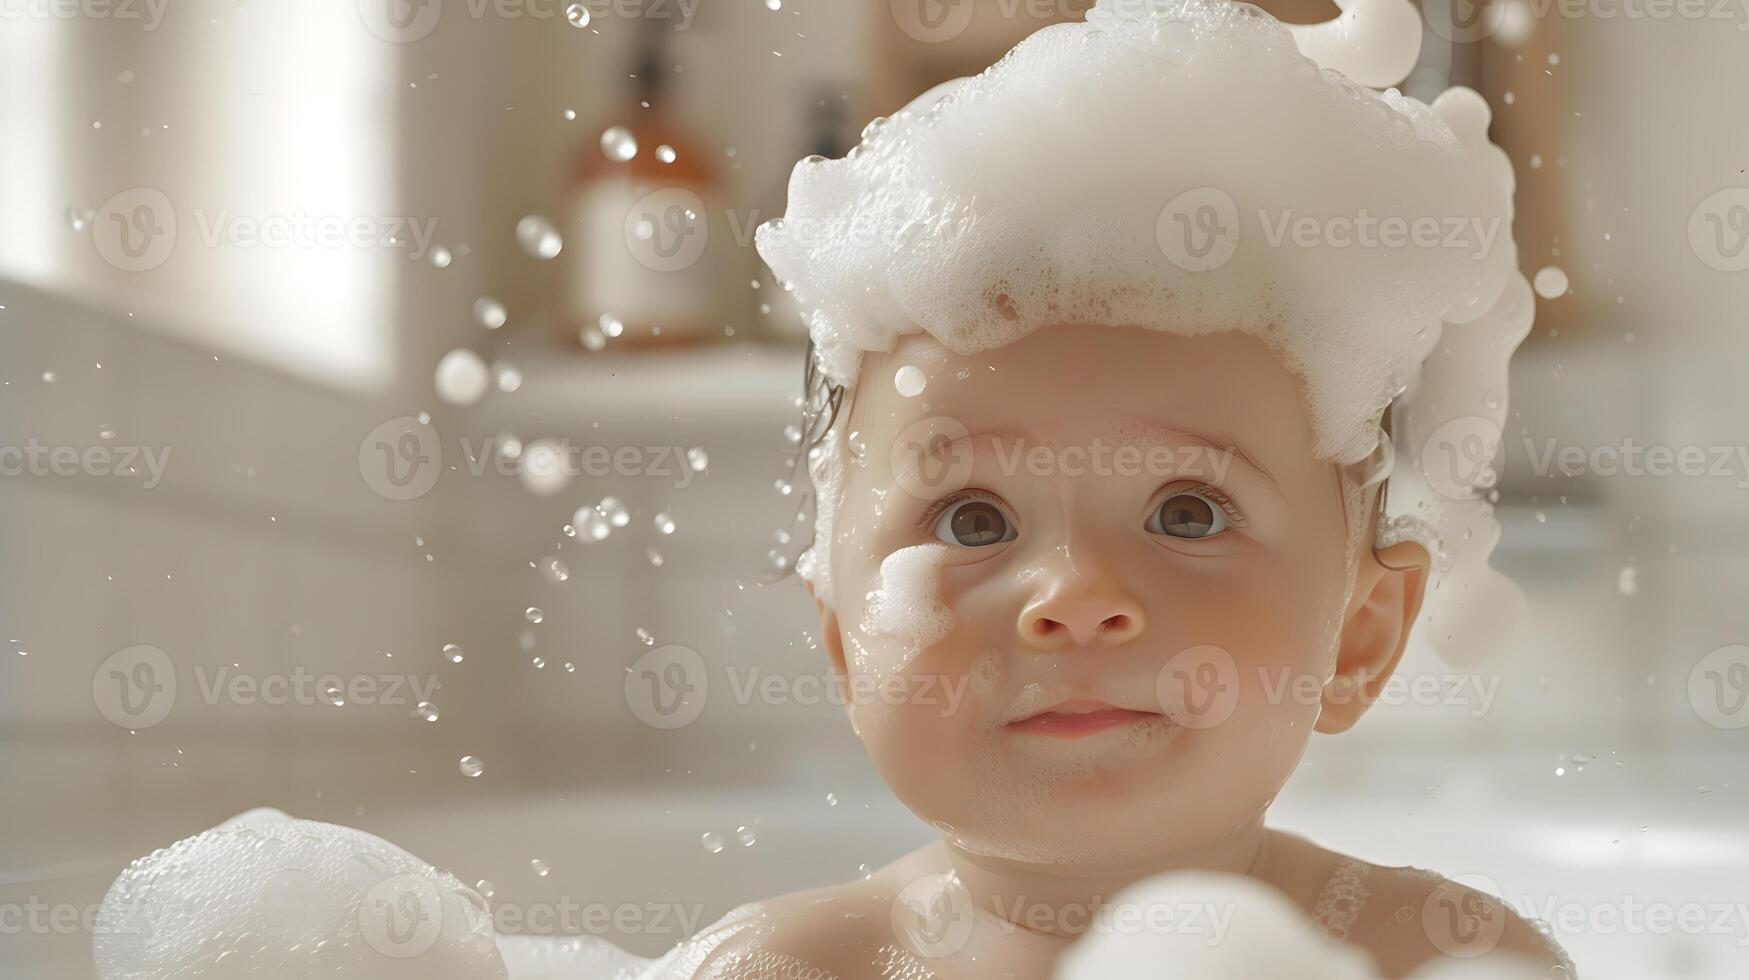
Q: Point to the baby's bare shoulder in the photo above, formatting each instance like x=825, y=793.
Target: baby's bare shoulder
x=841, y=932
x=1413, y=920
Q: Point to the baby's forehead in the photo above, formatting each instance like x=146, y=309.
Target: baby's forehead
x=1079, y=382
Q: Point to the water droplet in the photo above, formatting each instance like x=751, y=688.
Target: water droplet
x=537, y=237
x=49, y=377
x=485, y=888
x=332, y=694
x=425, y=710
x=665, y=153
x=461, y=377
x=534, y=614
x=619, y=144
x=783, y=487
x=831, y=799
x=554, y=569
x=773, y=4
x=909, y=381
x=539, y=867
x=489, y=312
x=1550, y=282
x=654, y=556
x=591, y=524
x=440, y=257
x=1627, y=581
x=471, y=766
x=664, y=523
x=106, y=432
x=614, y=511
x=746, y=836
x=509, y=377
x=864, y=870
x=577, y=14
x=610, y=325
x=570, y=668
x=539, y=663
x=644, y=635
x=792, y=435
x=453, y=653
x=698, y=459
x=713, y=842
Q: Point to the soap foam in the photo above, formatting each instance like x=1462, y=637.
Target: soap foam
x=1049, y=189
x=265, y=895
x=906, y=605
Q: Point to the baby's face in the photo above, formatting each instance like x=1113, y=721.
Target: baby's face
x=1087, y=587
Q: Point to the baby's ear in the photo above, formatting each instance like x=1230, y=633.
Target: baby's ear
x=1387, y=599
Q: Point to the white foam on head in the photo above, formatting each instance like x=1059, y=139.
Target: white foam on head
x=906, y=605
x=1059, y=185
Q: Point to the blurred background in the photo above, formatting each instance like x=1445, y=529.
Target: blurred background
x=241, y=242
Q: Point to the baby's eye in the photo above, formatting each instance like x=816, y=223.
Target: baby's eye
x=1188, y=514
x=973, y=523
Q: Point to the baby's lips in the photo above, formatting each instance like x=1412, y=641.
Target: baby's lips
x=1199, y=687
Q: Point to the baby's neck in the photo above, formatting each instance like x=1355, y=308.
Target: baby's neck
x=1060, y=900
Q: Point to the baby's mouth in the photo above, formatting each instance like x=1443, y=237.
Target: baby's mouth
x=1080, y=718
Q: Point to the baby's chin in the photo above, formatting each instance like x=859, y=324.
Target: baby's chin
x=1103, y=799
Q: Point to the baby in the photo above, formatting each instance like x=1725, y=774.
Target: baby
x=1149, y=370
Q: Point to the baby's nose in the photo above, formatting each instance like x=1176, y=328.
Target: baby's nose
x=1079, y=614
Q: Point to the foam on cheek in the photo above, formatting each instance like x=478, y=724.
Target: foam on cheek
x=906, y=605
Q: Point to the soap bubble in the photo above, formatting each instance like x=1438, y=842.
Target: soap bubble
x=619, y=144
x=1550, y=282
x=489, y=312
x=534, y=614
x=460, y=377
x=471, y=766
x=452, y=653
x=537, y=237
x=713, y=842
x=577, y=14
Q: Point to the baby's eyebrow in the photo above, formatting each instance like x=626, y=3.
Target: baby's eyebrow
x=1172, y=433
